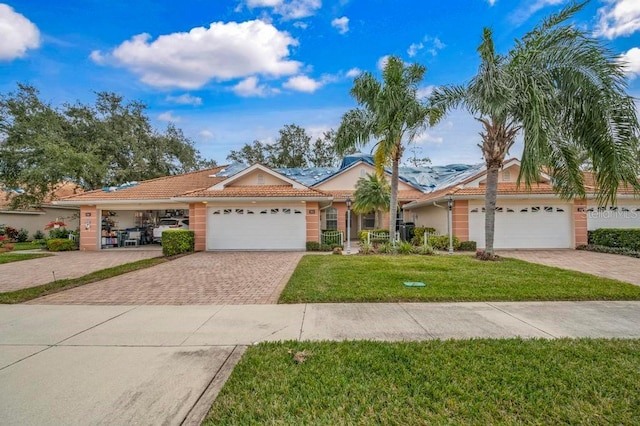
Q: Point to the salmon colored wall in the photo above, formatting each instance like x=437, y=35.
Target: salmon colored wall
x=198, y=224
x=313, y=221
x=251, y=179
x=580, y=221
x=460, y=219
x=89, y=237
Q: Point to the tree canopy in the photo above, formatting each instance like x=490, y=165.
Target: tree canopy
x=108, y=143
x=293, y=148
x=566, y=92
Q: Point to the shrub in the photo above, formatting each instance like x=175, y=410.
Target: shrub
x=424, y=250
x=11, y=233
x=313, y=246
x=366, y=248
x=611, y=250
x=325, y=247
x=331, y=237
x=61, y=244
x=38, y=235
x=177, y=241
x=404, y=247
x=337, y=250
x=483, y=255
x=441, y=242
x=386, y=248
x=467, y=246
x=59, y=233
x=613, y=237
x=23, y=235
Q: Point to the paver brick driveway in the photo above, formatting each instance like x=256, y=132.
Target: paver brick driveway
x=204, y=278
x=614, y=266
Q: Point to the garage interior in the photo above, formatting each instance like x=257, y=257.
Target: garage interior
x=132, y=228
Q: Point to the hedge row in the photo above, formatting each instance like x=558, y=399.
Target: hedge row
x=177, y=241
x=617, y=238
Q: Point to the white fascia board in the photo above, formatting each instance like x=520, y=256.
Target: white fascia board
x=213, y=200
x=112, y=202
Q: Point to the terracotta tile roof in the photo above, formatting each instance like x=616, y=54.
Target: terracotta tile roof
x=66, y=189
x=438, y=194
x=162, y=188
x=509, y=189
x=258, y=191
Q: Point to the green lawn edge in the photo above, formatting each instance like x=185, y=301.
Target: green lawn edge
x=23, y=295
x=459, y=278
x=475, y=381
x=19, y=257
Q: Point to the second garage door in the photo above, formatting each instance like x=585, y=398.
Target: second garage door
x=525, y=225
x=256, y=228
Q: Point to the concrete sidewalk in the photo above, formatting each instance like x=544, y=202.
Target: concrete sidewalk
x=162, y=364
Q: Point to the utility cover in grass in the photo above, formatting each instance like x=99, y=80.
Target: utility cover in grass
x=414, y=284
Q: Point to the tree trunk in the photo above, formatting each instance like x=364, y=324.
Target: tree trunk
x=393, y=204
x=378, y=219
x=490, y=197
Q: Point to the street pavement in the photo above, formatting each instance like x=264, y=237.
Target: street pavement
x=165, y=364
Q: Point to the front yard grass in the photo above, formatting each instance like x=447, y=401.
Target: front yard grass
x=457, y=278
x=484, y=381
x=16, y=257
x=19, y=296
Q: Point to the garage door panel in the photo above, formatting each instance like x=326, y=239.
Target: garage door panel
x=256, y=228
x=525, y=226
x=625, y=215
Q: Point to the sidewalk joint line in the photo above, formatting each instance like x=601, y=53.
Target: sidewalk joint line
x=520, y=319
x=28, y=356
x=416, y=321
x=96, y=325
x=304, y=315
x=202, y=325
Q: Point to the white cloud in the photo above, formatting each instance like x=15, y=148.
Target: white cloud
x=618, y=18
x=249, y=87
x=525, y=12
x=206, y=134
x=168, y=116
x=382, y=62
x=341, y=24
x=426, y=137
x=631, y=59
x=185, y=99
x=18, y=34
x=353, y=72
x=414, y=49
x=491, y=2
x=301, y=24
x=425, y=92
x=302, y=83
x=224, y=51
x=288, y=9
x=97, y=57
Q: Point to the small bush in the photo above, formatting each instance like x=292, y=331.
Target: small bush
x=611, y=250
x=337, y=250
x=10, y=232
x=23, y=235
x=59, y=233
x=404, y=247
x=38, y=235
x=61, y=244
x=441, y=242
x=424, y=250
x=613, y=237
x=177, y=241
x=386, y=248
x=467, y=246
x=313, y=246
x=483, y=255
x=325, y=247
x=366, y=248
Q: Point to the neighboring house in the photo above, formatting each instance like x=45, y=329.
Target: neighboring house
x=34, y=219
x=258, y=208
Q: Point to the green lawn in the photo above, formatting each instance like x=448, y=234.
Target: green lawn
x=23, y=295
x=16, y=257
x=28, y=246
x=448, y=278
x=484, y=381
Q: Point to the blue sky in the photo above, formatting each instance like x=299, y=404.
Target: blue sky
x=231, y=71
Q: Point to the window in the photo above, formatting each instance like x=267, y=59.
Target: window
x=535, y=209
x=559, y=210
x=525, y=210
x=263, y=211
x=506, y=175
x=332, y=219
x=226, y=211
x=369, y=221
x=510, y=210
x=216, y=212
x=250, y=212
x=260, y=179
x=474, y=210
x=275, y=211
x=548, y=209
x=286, y=211
x=296, y=211
x=239, y=211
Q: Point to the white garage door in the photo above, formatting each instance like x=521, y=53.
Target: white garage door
x=624, y=215
x=256, y=228
x=525, y=226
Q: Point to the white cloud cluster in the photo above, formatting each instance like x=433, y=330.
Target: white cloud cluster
x=618, y=18
x=185, y=99
x=288, y=9
x=189, y=60
x=353, y=72
x=302, y=83
x=250, y=86
x=525, y=12
x=631, y=60
x=168, y=116
x=341, y=24
x=18, y=34
x=432, y=44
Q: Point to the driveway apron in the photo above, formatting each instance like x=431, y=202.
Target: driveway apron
x=203, y=278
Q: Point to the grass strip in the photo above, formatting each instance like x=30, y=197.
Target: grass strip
x=17, y=257
x=29, y=245
x=332, y=279
x=482, y=381
x=19, y=296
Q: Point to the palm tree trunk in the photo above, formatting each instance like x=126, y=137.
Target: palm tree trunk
x=393, y=203
x=490, y=198
x=378, y=219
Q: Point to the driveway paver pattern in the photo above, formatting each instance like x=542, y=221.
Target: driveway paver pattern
x=64, y=265
x=205, y=278
x=614, y=266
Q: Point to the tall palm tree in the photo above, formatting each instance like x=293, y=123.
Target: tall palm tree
x=565, y=92
x=390, y=113
x=372, y=195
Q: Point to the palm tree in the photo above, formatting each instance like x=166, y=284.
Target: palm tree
x=565, y=91
x=389, y=111
x=372, y=195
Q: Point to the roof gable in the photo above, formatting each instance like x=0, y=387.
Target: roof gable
x=257, y=175
x=346, y=179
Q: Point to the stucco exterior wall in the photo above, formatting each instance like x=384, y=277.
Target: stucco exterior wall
x=198, y=224
x=346, y=180
x=90, y=228
x=434, y=217
x=33, y=222
x=313, y=221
